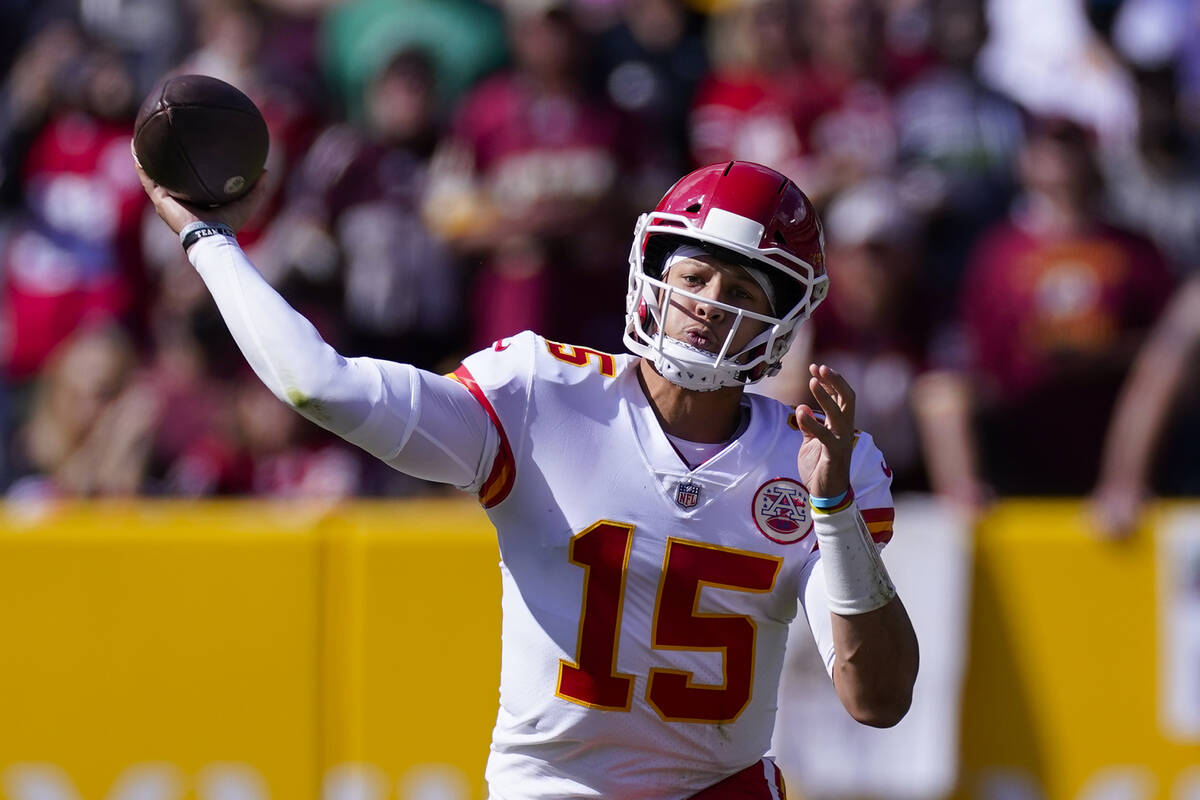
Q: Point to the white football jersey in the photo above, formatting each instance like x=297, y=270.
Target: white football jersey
x=646, y=603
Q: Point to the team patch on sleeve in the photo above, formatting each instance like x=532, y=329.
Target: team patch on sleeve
x=879, y=523
x=504, y=469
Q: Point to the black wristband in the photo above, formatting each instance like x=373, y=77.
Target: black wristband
x=198, y=230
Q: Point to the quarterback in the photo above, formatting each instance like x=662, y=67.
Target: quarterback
x=659, y=527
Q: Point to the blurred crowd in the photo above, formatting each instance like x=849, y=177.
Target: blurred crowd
x=1011, y=192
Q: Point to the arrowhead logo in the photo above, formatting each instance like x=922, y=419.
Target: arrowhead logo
x=780, y=509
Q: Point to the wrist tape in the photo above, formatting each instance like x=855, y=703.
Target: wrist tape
x=195, y=231
x=856, y=580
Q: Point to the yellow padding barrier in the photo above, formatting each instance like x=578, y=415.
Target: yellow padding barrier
x=245, y=651
x=1063, y=697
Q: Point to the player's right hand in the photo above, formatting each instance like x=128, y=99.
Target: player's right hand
x=178, y=215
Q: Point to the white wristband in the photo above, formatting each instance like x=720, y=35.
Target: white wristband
x=856, y=580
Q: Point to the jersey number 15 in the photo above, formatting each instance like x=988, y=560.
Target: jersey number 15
x=592, y=679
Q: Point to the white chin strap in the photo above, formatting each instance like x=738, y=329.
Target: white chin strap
x=677, y=362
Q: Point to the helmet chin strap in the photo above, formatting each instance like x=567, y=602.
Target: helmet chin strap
x=672, y=362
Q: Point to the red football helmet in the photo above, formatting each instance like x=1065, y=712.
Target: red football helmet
x=742, y=213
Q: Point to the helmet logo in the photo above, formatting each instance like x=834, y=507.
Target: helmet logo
x=780, y=509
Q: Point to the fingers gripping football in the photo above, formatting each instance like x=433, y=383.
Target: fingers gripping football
x=824, y=458
x=178, y=214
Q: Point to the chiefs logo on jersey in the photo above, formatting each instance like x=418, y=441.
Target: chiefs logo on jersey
x=781, y=512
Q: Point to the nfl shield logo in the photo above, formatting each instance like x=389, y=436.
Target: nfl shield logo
x=687, y=494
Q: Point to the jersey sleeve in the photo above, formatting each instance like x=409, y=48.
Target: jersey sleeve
x=871, y=478
x=417, y=422
x=500, y=379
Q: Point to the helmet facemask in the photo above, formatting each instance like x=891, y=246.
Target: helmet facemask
x=798, y=290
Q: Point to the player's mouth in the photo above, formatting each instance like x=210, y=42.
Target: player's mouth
x=701, y=340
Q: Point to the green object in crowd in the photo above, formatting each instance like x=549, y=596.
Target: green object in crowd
x=464, y=38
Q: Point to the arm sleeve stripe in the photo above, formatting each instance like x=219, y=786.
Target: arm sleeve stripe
x=879, y=523
x=504, y=469
x=880, y=535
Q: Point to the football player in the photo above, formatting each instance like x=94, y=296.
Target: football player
x=659, y=527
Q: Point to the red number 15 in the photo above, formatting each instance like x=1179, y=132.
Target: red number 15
x=592, y=679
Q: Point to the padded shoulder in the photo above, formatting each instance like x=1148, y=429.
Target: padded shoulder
x=506, y=362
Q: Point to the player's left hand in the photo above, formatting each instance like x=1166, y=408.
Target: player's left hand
x=824, y=458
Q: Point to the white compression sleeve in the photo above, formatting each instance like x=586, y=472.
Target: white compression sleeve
x=855, y=579
x=420, y=423
x=814, y=599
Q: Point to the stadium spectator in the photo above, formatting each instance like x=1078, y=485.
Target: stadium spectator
x=72, y=252
x=180, y=375
x=957, y=145
x=256, y=448
x=744, y=109
x=875, y=328
x=92, y=422
x=1163, y=35
x=32, y=90
x=1054, y=305
x=357, y=200
x=529, y=182
x=845, y=91
x=1154, y=179
x=1054, y=63
x=1162, y=383
x=651, y=64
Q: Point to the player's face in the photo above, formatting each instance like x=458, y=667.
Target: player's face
x=702, y=324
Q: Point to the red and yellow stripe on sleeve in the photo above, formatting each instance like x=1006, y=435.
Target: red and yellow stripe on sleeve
x=504, y=469
x=879, y=523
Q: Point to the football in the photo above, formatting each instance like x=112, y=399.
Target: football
x=201, y=139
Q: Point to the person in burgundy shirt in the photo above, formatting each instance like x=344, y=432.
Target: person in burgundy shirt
x=1054, y=304
x=533, y=155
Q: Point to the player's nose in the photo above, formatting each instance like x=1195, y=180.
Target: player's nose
x=710, y=295
x=705, y=309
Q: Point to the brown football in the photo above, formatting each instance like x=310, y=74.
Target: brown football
x=201, y=139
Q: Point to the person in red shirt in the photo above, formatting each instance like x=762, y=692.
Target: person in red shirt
x=73, y=252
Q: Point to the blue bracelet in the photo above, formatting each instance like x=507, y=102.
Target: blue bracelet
x=827, y=502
